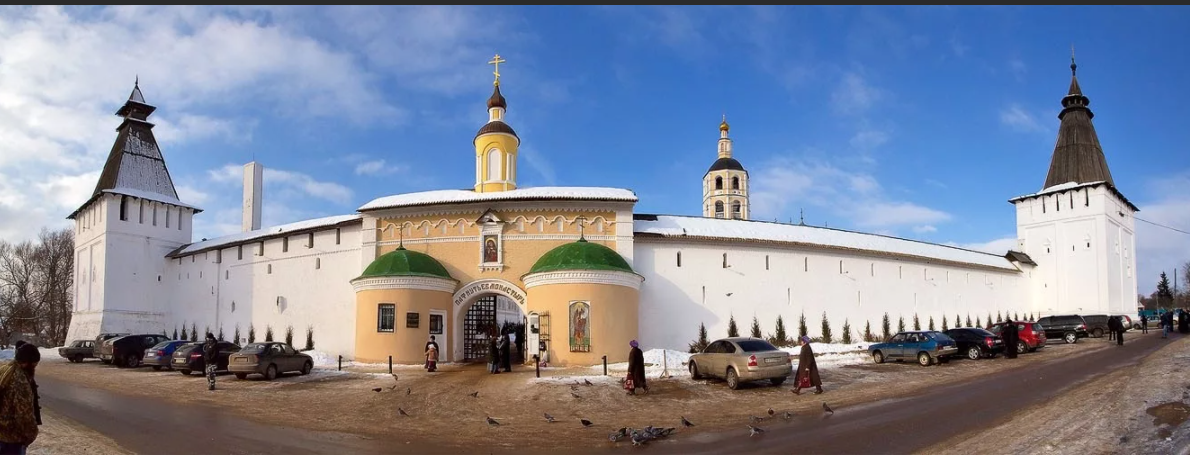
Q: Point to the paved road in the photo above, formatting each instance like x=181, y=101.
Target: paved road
x=913, y=423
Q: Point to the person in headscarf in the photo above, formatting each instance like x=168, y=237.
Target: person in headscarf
x=636, y=368
x=807, y=369
x=20, y=412
x=432, y=358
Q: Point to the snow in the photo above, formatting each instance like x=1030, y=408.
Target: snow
x=264, y=233
x=712, y=228
x=47, y=355
x=520, y=194
x=142, y=167
x=325, y=360
x=657, y=362
x=1057, y=188
x=833, y=355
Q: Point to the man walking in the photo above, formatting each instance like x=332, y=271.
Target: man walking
x=210, y=356
x=1166, y=321
x=1144, y=324
x=20, y=413
x=1117, y=329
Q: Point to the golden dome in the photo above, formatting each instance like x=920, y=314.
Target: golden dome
x=723, y=126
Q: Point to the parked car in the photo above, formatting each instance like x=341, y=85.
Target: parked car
x=1096, y=324
x=127, y=351
x=738, y=360
x=1030, y=334
x=189, y=357
x=976, y=343
x=102, y=338
x=929, y=347
x=159, y=355
x=78, y=350
x=269, y=359
x=1129, y=322
x=1069, y=328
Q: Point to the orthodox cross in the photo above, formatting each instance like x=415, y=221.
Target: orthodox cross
x=401, y=236
x=1073, y=67
x=580, y=220
x=496, y=61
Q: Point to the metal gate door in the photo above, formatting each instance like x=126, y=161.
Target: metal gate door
x=478, y=323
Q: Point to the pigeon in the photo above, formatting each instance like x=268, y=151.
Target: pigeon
x=378, y=389
x=755, y=419
x=788, y=415
x=549, y=418
x=614, y=437
x=772, y=412
x=639, y=439
x=686, y=423
x=623, y=431
x=574, y=395
x=408, y=390
x=587, y=382
x=395, y=377
x=474, y=394
x=827, y=409
x=585, y=422
x=753, y=431
x=492, y=421
x=402, y=412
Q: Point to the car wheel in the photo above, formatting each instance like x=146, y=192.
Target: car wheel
x=1070, y=337
x=974, y=353
x=156, y=367
x=1021, y=347
x=877, y=356
x=131, y=361
x=306, y=368
x=733, y=380
x=78, y=359
x=241, y=375
x=1097, y=333
x=270, y=373
x=184, y=372
x=694, y=374
x=777, y=381
x=924, y=359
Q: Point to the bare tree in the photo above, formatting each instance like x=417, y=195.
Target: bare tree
x=36, y=280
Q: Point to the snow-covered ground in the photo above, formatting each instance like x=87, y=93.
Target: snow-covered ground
x=324, y=360
x=661, y=361
x=47, y=355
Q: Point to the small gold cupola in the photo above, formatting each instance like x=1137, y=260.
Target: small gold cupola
x=496, y=143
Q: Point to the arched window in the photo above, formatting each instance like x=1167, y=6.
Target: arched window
x=718, y=183
x=736, y=212
x=735, y=183
x=718, y=209
x=494, y=164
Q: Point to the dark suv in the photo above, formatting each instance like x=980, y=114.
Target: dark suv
x=128, y=351
x=1096, y=324
x=976, y=343
x=1068, y=327
x=189, y=357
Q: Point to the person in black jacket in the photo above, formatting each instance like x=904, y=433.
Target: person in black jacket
x=210, y=356
x=1117, y=328
x=1012, y=338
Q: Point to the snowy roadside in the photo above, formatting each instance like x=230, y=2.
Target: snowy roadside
x=61, y=436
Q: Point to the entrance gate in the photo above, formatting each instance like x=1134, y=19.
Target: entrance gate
x=479, y=322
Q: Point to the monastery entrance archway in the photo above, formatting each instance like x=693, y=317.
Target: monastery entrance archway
x=480, y=308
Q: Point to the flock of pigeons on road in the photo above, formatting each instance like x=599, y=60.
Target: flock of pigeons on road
x=637, y=436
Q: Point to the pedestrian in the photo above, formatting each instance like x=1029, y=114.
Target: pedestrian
x=636, y=370
x=506, y=354
x=20, y=411
x=1144, y=324
x=430, y=344
x=807, y=369
x=1183, y=322
x=210, y=357
x=493, y=355
x=1116, y=328
x=512, y=344
x=432, y=357
x=1012, y=339
x=1166, y=321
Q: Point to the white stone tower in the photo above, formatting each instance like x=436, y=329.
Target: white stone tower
x=1079, y=228
x=124, y=231
x=725, y=185
x=253, y=192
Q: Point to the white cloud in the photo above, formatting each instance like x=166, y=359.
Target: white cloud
x=1159, y=249
x=854, y=95
x=926, y=229
x=850, y=197
x=286, y=182
x=998, y=246
x=868, y=139
x=376, y=167
x=539, y=164
x=66, y=69
x=958, y=47
x=1018, y=69
x=192, y=195
x=1019, y=119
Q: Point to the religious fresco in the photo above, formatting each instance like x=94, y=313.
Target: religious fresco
x=491, y=249
x=580, y=326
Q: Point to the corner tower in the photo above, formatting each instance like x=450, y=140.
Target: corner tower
x=725, y=185
x=496, y=144
x=124, y=231
x=1079, y=228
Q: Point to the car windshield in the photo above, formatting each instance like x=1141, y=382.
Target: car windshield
x=938, y=336
x=756, y=346
x=981, y=332
x=253, y=348
x=161, y=345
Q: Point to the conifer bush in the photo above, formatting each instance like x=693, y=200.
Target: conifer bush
x=868, y=336
x=732, y=330
x=237, y=334
x=931, y=325
x=802, y=330
x=251, y=333
x=780, y=338
x=185, y=336
x=756, y=328
x=886, y=329
x=309, y=338
x=846, y=331
x=827, y=336
x=701, y=343
x=900, y=324
x=289, y=335
x=268, y=333
x=176, y=333
x=916, y=322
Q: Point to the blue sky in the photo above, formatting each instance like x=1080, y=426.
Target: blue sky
x=916, y=122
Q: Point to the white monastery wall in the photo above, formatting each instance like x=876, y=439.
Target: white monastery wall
x=769, y=281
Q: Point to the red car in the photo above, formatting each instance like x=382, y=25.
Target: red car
x=1032, y=336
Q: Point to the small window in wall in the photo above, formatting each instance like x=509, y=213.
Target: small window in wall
x=233, y=306
x=679, y=259
x=154, y=214
x=270, y=269
x=925, y=273
x=1072, y=201
x=735, y=183
x=412, y=320
x=200, y=273
x=191, y=260
x=240, y=253
x=1087, y=198
x=123, y=208
x=1043, y=204
x=766, y=262
x=901, y=272
x=718, y=183
x=310, y=240
x=317, y=263
x=386, y=317
x=1057, y=204
x=179, y=219
x=840, y=266
x=948, y=276
x=141, y=208
x=339, y=233
x=719, y=209
x=806, y=264
x=167, y=216
x=284, y=244
x=226, y=274
x=725, y=260
x=872, y=272
x=218, y=256
x=435, y=324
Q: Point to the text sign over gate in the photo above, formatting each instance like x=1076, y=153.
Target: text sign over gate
x=480, y=287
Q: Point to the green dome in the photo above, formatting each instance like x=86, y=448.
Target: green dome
x=402, y=262
x=581, y=255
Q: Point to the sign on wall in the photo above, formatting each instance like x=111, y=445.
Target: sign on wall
x=477, y=288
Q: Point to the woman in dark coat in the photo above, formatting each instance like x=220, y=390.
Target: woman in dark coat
x=505, y=353
x=493, y=355
x=807, y=370
x=636, y=368
x=1012, y=338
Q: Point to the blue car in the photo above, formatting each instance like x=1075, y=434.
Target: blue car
x=158, y=356
x=929, y=347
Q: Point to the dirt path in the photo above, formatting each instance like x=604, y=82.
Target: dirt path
x=1140, y=408
x=443, y=413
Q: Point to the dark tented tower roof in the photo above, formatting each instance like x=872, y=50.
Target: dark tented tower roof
x=1078, y=157
x=135, y=162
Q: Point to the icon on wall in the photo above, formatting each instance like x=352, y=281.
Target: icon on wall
x=580, y=326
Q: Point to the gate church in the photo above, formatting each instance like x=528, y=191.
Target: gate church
x=576, y=264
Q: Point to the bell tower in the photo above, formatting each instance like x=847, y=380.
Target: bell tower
x=725, y=185
x=496, y=144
